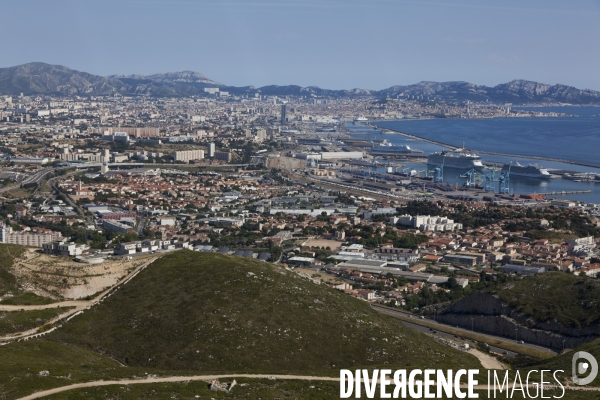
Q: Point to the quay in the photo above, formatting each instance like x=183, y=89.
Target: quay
x=563, y=192
x=491, y=153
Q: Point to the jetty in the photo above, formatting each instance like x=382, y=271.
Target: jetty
x=563, y=192
x=492, y=153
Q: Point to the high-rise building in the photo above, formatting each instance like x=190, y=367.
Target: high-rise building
x=223, y=156
x=105, y=155
x=283, y=116
x=211, y=149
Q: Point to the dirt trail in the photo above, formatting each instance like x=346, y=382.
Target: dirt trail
x=487, y=361
x=79, y=305
x=209, y=378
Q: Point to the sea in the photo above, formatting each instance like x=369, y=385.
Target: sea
x=574, y=139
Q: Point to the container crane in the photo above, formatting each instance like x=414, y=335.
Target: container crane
x=504, y=180
x=490, y=180
x=438, y=172
x=471, y=178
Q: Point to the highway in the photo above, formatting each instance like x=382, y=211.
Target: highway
x=453, y=337
x=405, y=315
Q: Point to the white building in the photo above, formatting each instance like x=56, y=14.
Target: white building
x=211, y=150
x=27, y=238
x=189, y=155
x=427, y=223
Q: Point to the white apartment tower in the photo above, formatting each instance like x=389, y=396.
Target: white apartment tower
x=189, y=155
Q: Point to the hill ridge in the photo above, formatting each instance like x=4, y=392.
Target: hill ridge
x=38, y=78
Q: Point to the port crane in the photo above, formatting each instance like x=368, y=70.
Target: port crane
x=490, y=181
x=471, y=176
x=438, y=172
x=504, y=180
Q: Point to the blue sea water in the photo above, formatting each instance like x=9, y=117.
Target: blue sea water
x=566, y=138
x=576, y=139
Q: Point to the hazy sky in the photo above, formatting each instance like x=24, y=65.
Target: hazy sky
x=328, y=43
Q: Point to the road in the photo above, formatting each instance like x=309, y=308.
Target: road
x=209, y=378
x=206, y=378
x=466, y=331
x=79, y=306
x=37, y=177
x=425, y=329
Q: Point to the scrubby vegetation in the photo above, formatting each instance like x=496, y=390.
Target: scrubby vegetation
x=18, y=321
x=216, y=313
x=574, y=301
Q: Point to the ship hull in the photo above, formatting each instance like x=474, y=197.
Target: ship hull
x=455, y=162
x=527, y=174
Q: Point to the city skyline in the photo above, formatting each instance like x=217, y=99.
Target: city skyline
x=327, y=44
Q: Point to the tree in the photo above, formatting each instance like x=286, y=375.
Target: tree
x=453, y=283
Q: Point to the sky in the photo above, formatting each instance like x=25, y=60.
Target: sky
x=335, y=44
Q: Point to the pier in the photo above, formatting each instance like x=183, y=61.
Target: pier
x=492, y=153
x=563, y=192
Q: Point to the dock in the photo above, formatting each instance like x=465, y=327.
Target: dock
x=563, y=192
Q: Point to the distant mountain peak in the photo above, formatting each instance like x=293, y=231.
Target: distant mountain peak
x=42, y=78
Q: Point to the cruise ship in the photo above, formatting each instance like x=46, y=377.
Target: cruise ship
x=386, y=148
x=457, y=160
x=529, y=171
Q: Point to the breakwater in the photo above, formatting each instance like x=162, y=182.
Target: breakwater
x=493, y=153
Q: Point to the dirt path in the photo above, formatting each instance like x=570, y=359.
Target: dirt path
x=209, y=378
x=79, y=305
x=487, y=361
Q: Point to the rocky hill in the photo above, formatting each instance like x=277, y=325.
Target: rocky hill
x=544, y=309
x=516, y=92
x=40, y=78
x=210, y=312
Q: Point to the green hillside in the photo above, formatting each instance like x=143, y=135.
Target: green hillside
x=563, y=361
x=8, y=252
x=215, y=313
x=19, y=321
x=571, y=299
x=22, y=363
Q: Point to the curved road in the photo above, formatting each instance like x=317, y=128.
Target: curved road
x=388, y=311
x=209, y=378
x=49, y=392
x=80, y=306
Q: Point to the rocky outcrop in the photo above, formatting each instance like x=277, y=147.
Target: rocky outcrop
x=486, y=313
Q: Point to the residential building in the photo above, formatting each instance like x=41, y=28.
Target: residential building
x=189, y=155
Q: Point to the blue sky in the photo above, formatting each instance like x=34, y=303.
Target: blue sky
x=328, y=43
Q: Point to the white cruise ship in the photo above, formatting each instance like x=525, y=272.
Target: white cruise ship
x=455, y=160
x=386, y=148
x=529, y=171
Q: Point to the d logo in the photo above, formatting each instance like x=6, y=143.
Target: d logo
x=584, y=367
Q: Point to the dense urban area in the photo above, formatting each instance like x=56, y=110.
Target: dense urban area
x=97, y=188
x=277, y=179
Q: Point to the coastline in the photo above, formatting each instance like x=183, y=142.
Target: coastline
x=491, y=153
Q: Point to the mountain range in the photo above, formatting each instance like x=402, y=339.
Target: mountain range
x=44, y=79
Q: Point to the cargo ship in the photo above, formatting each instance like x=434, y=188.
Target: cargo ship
x=529, y=171
x=458, y=160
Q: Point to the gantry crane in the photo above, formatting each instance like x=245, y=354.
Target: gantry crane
x=438, y=172
x=471, y=176
x=504, y=180
x=490, y=180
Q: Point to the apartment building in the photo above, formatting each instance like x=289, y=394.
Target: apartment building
x=189, y=155
x=24, y=238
